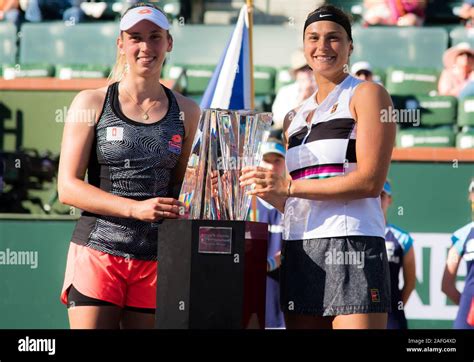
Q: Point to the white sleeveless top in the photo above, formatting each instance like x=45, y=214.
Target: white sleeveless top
x=326, y=148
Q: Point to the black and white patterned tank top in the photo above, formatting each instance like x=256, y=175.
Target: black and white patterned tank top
x=132, y=160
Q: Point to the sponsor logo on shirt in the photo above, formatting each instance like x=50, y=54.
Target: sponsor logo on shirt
x=174, y=145
x=374, y=295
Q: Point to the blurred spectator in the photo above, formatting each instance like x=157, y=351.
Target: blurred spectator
x=10, y=11
x=457, y=76
x=462, y=248
x=40, y=10
x=362, y=70
x=401, y=256
x=273, y=158
x=74, y=13
x=467, y=12
x=292, y=95
x=394, y=12
x=103, y=10
x=126, y=4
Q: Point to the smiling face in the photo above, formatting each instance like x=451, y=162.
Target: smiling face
x=145, y=46
x=327, y=48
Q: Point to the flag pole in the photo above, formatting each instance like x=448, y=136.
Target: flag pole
x=252, y=85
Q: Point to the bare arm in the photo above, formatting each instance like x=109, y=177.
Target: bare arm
x=190, y=114
x=445, y=87
x=375, y=140
x=448, y=285
x=9, y=4
x=409, y=275
x=465, y=11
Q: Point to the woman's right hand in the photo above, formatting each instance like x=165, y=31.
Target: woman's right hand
x=156, y=209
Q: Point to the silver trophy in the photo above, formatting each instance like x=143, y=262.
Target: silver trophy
x=225, y=142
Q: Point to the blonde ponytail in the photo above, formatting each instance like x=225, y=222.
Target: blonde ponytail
x=119, y=68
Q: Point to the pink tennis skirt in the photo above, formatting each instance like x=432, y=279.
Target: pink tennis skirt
x=114, y=279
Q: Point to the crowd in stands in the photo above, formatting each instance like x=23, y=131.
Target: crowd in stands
x=75, y=11
x=456, y=78
x=375, y=12
x=467, y=12
x=394, y=12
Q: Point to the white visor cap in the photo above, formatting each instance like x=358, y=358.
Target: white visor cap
x=134, y=16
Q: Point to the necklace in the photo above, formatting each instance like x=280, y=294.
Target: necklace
x=145, y=113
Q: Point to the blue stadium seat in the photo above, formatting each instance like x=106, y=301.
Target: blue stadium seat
x=443, y=136
x=433, y=111
x=465, y=138
x=90, y=43
x=461, y=34
x=412, y=81
x=7, y=43
x=466, y=112
x=407, y=47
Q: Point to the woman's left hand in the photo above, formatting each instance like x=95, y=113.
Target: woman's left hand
x=268, y=185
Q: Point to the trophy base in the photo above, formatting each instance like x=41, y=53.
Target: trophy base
x=211, y=274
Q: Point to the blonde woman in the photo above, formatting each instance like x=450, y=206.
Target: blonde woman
x=134, y=143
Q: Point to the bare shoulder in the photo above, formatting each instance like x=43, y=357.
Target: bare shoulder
x=370, y=89
x=371, y=104
x=90, y=98
x=88, y=104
